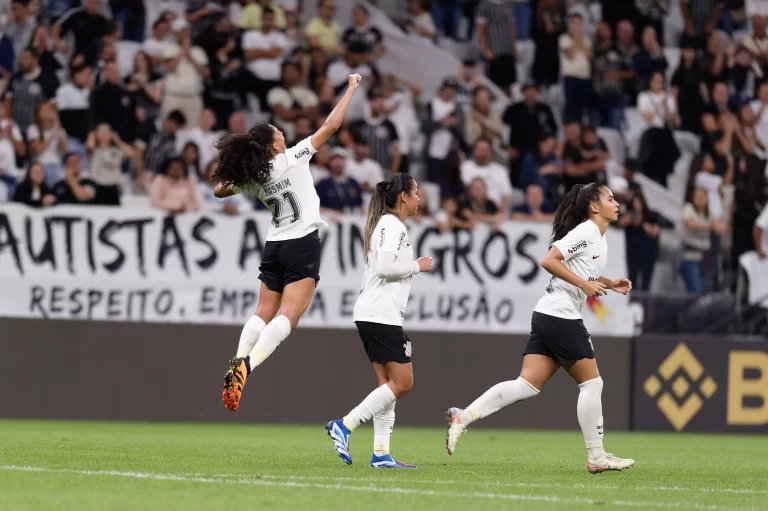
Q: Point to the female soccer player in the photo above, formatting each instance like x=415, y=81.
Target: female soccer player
x=379, y=313
x=259, y=162
x=558, y=337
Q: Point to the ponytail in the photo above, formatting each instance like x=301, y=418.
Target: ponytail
x=244, y=158
x=574, y=209
x=384, y=200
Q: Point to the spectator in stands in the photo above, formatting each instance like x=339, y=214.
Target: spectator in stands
x=497, y=36
x=339, y=193
x=543, y=167
x=158, y=144
x=107, y=154
x=48, y=142
x=322, y=31
x=114, y=104
x=33, y=191
x=625, y=44
x=649, y=59
x=400, y=96
x=73, y=99
x=594, y=149
x=222, y=89
x=451, y=185
x=482, y=120
x=190, y=155
x=609, y=74
x=749, y=185
x=304, y=129
x=576, y=54
x=186, y=68
x=264, y=50
x=74, y=188
x=719, y=99
x=536, y=207
x=146, y=86
x=291, y=100
x=701, y=17
x=20, y=26
x=12, y=144
x=132, y=15
x=759, y=231
x=380, y=133
x=86, y=24
x=294, y=31
x=238, y=122
x=28, y=88
x=658, y=149
x=754, y=145
x=51, y=60
x=200, y=15
x=476, y=207
x=757, y=42
x=443, y=128
x=580, y=165
x=744, y=76
x=173, y=190
x=760, y=109
x=203, y=136
x=547, y=28
x=447, y=16
x=641, y=232
x=494, y=175
x=362, y=169
x=100, y=46
x=319, y=165
x=468, y=78
x=703, y=172
x=361, y=32
x=420, y=20
x=714, y=61
x=254, y=10
x=155, y=45
x=688, y=81
x=652, y=14
x=354, y=61
x=232, y=205
x=528, y=122
x=698, y=227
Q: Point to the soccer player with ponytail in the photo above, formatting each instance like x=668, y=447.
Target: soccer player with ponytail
x=558, y=336
x=378, y=314
x=259, y=162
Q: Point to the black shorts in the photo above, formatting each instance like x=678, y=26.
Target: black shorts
x=384, y=343
x=566, y=341
x=288, y=261
x=502, y=70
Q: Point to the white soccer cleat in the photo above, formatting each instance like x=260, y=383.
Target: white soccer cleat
x=609, y=462
x=455, y=429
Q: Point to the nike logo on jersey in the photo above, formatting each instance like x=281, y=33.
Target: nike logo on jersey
x=595, y=257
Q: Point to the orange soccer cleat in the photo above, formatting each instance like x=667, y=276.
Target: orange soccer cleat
x=234, y=381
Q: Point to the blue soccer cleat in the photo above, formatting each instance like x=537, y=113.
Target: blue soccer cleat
x=387, y=461
x=340, y=436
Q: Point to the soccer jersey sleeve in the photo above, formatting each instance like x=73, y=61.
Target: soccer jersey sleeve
x=392, y=235
x=301, y=153
x=577, y=241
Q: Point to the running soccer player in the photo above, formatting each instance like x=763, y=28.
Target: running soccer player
x=558, y=336
x=258, y=162
x=378, y=314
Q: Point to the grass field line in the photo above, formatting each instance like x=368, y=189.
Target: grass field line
x=370, y=488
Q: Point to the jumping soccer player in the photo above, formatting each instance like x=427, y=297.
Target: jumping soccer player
x=379, y=313
x=558, y=336
x=258, y=162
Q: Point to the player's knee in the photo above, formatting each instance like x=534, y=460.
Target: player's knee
x=403, y=386
x=595, y=386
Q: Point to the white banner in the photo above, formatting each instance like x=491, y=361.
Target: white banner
x=140, y=265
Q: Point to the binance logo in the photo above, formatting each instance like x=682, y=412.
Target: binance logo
x=680, y=385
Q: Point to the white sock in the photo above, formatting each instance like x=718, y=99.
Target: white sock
x=250, y=334
x=275, y=333
x=374, y=404
x=590, y=412
x=383, y=423
x=497, y=397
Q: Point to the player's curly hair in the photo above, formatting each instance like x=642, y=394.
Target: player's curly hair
x=384, y=200
x=244, y=157
x=574, y=209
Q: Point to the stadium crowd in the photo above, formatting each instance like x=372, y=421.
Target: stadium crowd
x=77, y=127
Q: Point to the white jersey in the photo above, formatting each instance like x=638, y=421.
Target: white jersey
x=584, y=252
x=383, y=300
x=290, y=194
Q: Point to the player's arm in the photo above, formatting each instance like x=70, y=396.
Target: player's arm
x=222, y=191
x=337, y=115
x=554, y=263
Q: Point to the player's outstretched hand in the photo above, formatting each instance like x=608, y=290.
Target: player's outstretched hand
x=622, y=286
x=425, y=263
x=594, y=289
x=354, y=81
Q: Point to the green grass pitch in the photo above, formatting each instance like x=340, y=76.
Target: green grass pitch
x=62, y=466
